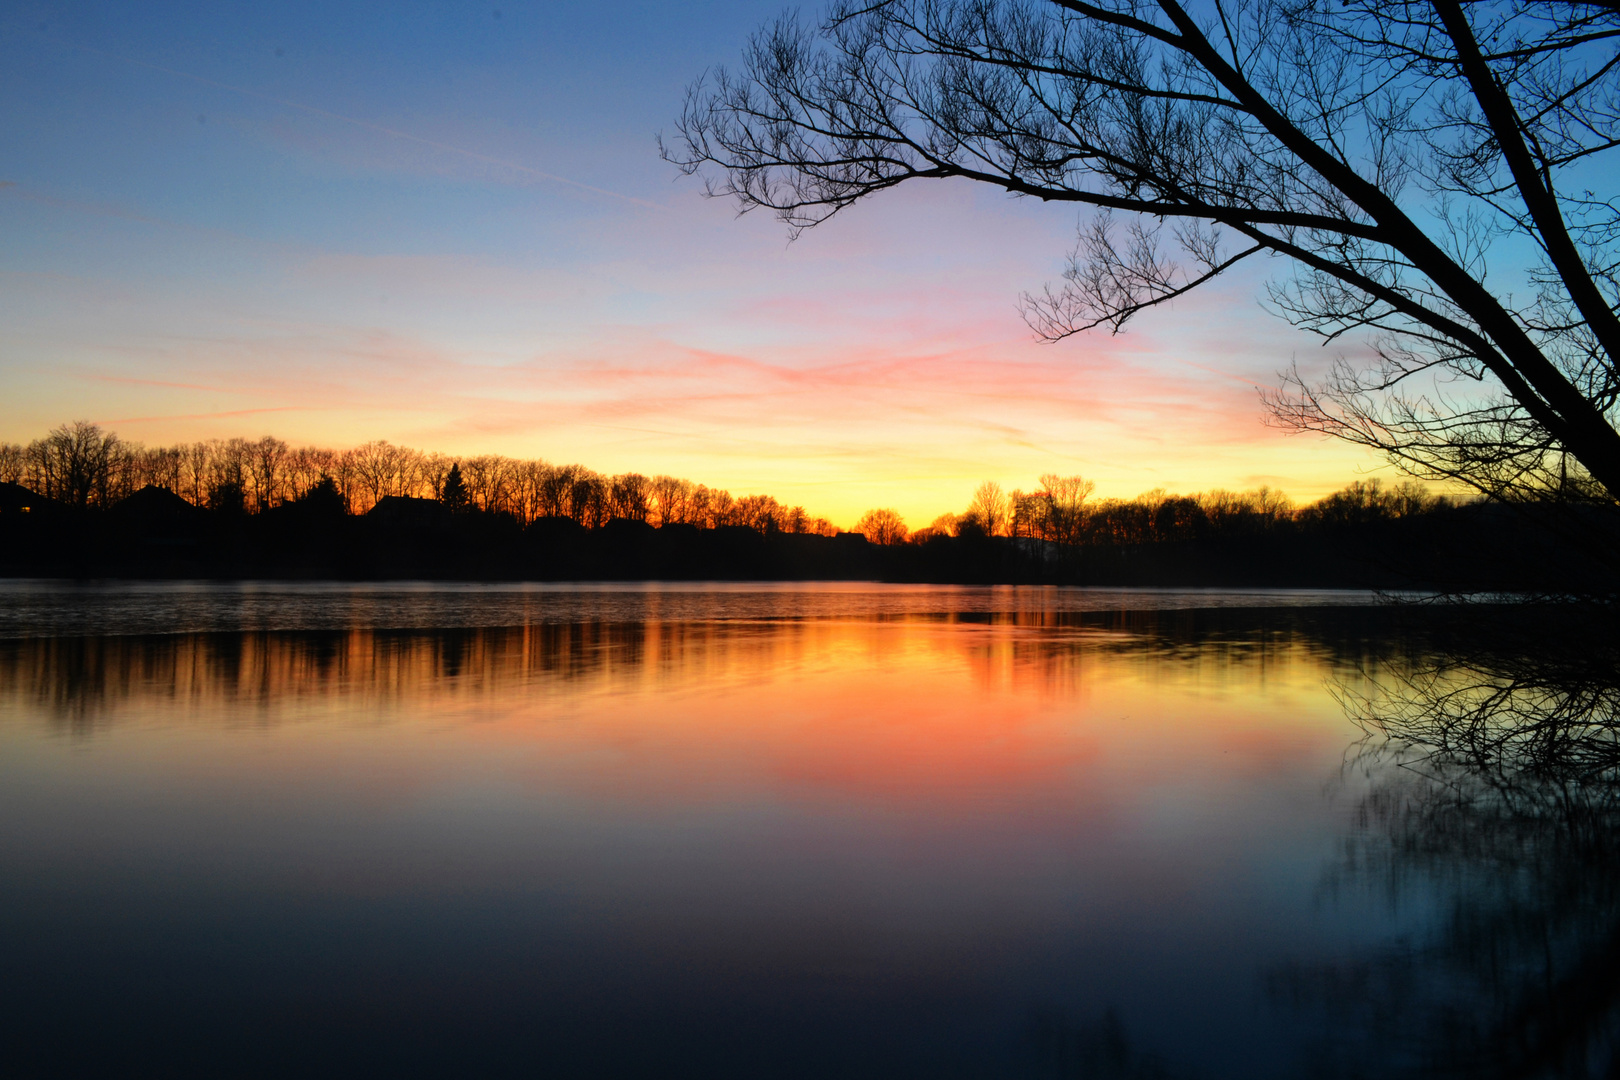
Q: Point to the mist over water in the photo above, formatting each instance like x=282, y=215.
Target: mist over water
x=741, y=832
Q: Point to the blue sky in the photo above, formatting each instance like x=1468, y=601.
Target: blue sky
x=448, y=226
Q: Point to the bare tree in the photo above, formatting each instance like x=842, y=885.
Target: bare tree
x=306, y=465
x=1258, y=510
x=229, y=462
x=1420, y=170
x=194, y=459
x=629, y=497
x=944, y=525
x=722, y=509
x=13, y=463
x=672, y=499
x=988, y=510
x=884, y=527
x=1063, y=507
x=267, y=472
x=762, y=513
x=556, y=487
x=700, y=510
x=345, y=477
x=164, y=466
x=489, y=480
x=375, y=465
x=73, y=463
x=432, y=471
x=588, y=498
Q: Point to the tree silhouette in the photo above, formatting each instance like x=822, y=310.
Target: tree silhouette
x=227, y=498
x=75, y=462
x=1418, y=169
x=1062, y=503
x=988, y=510
x=455, y=489
x=884, y=527
x=323, y=498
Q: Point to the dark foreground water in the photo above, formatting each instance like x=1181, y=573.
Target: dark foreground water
x=787, y=831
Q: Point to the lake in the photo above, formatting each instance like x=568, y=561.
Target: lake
x=784, y=830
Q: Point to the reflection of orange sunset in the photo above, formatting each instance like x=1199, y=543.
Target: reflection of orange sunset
x=907, y=712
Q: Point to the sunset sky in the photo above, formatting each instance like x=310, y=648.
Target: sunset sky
x=447, y=225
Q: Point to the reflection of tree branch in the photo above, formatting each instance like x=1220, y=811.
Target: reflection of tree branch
x=1514, y=711
x=1495, y=765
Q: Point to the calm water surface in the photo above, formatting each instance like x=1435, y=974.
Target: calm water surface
x=734, y=831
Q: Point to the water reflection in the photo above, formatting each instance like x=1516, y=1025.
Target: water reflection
x=1017, y=841
x=82, y=681
x=1496, y=804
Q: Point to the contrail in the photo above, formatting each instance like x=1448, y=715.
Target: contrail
x=369, y=126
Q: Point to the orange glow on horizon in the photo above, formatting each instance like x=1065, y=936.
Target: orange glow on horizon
x=871, y=364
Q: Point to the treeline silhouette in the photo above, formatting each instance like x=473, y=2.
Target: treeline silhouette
x=81, y=502
x=82, y=465
x=1061, y=511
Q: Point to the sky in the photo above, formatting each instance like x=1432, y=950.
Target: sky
x=448, y=226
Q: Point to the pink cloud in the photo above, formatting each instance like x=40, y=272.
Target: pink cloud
x=829, y=374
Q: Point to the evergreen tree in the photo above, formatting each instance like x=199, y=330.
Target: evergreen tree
x=455, y=489
x=324, y=498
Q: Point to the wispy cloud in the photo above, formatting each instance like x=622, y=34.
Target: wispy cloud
x=227, y=414
x=515, y=167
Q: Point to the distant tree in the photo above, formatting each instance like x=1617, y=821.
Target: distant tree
x=722, y=508
x=489, y=481
x=1434, y=178
x=630, y=497
x=126, y=472
x=671, y=499
x=945, y=524
x=323, y=498
x=307, y=466
x=74, y=463
x=528, y=488
x=988, y=510
x=13, y=463
x=1178, y=518
x=700, y=506
x=556, y=490
x=428, y=473
x=1370, y=500
x=455, y=490
x=1063, y=507
x=1232, y=513
x=884, y=527
x=795, y=520
x=268, y=471
x=1026, y=514
x=762, y=513
x=379, y=469
x=227, y=498
x=588, y=499
x=163, y=466
x=228, y=466
x=194, y=472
